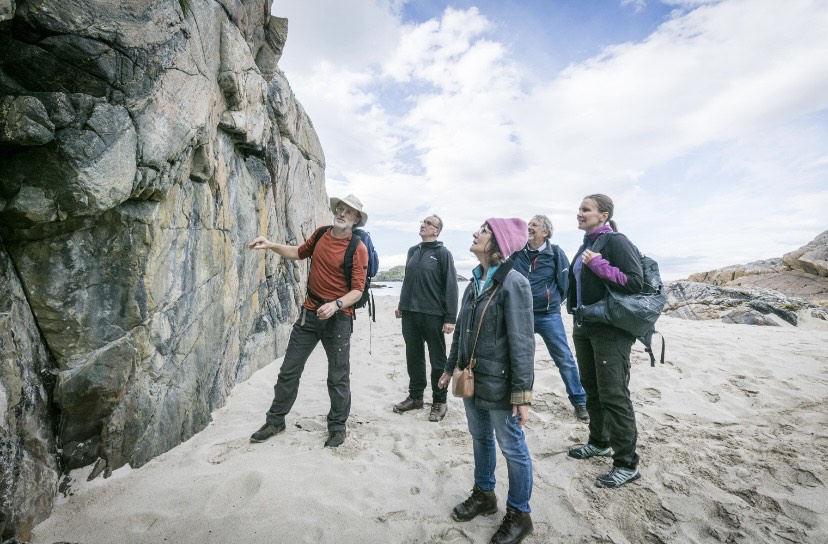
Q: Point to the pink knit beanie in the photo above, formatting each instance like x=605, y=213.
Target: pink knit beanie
x=510, y=233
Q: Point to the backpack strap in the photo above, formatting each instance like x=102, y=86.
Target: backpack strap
x=348, y=265
x=647, y=340
x=317, y=235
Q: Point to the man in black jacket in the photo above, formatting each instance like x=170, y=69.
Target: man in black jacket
x=428, y=309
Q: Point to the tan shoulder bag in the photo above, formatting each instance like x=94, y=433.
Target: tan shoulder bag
x=463, y=379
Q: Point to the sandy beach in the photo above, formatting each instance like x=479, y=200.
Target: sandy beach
x=733, y=433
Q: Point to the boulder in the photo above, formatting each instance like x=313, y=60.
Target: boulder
x=142, y=145
x=800, y=274
x=749, y=306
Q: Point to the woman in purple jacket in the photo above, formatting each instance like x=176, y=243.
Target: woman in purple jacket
x=603, y=351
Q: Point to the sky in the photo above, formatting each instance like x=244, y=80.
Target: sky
x=705, y=121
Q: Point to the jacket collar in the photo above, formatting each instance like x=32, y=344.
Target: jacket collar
x=546, y=247
x=433, y=243
x=498, y=277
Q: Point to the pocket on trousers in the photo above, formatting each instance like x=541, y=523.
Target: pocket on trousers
x=338, y=336
x=491, y=380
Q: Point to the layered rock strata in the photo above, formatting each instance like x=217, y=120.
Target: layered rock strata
x=769, y=292
x=142, y=144
x=802, y=274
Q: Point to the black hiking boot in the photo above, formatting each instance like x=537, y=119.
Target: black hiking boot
x=515, y=527
x=266, y=431
x=480, y=503
x=335, y=439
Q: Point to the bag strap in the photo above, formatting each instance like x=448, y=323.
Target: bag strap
x=472, y=360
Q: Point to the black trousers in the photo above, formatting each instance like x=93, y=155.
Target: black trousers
x=335, y=335
x=420, y=330
x=603, y=354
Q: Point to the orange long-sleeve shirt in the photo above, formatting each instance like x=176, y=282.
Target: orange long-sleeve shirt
x=327, y=274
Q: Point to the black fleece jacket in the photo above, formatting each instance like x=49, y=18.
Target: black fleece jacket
x=620, y=253
x=430, y=284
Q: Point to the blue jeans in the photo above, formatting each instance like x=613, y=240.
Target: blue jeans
x=484, y=426
x=550, y=327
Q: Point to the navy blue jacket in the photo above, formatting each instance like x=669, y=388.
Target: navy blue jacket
x=548, y=272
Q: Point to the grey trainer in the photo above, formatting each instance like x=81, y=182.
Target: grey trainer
x=588, y=450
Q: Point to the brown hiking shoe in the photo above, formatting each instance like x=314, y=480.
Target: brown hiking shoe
x=438, y=411
x=408, y=404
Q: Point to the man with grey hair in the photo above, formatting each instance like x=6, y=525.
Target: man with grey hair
x=428, y=309
x=325, y=317
x=547, y=268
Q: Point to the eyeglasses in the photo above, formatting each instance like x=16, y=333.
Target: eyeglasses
x=345, y=210
x=484, y=229
x=429, y=223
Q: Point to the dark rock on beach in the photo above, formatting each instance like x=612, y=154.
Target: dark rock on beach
x=142, y=145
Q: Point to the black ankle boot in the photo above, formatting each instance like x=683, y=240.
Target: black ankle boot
x=481, y=503
x=515, y=527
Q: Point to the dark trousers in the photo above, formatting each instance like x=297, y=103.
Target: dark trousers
x=603, y=354
x=420, y=330
x=335, y=334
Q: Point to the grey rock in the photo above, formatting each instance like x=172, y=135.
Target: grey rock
x=142, y=145
x=6, y=9
x=750, y=306
x=24, y=121
x=28, y=458
x=801, y=274
x=811, y=258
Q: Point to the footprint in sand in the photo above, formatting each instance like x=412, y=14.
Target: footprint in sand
x=451, y=536
x=221, y=452
x=712, y=397
x=241, y=489
x=649, y=395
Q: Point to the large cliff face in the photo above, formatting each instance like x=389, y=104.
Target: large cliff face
x=142, y=144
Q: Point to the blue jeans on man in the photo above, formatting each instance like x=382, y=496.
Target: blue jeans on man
x=484, y=427
x=550, y=327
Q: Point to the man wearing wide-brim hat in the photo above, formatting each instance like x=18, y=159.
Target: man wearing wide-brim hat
x=325, y=317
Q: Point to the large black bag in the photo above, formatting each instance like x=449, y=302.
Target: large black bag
x=636, y=314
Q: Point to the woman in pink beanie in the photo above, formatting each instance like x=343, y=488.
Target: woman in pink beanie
x=495, y=328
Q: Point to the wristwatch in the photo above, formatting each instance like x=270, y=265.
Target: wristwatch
x=338, y=304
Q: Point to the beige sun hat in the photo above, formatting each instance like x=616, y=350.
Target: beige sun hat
x=353, y=202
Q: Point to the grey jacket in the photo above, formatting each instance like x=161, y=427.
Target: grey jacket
x=505, y=351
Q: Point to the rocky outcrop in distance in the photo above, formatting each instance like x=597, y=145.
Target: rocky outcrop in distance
x=768, y=292
x=142, y=145
x=397, y=273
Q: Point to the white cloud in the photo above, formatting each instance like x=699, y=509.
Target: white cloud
x=721, y=108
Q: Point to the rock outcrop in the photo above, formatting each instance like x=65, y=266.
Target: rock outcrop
x=749, y=306
x=142, y=144
x=802, y=274
x=767, y=292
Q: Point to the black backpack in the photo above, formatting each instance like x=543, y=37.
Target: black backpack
x=636, y=314
x=359, y=235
